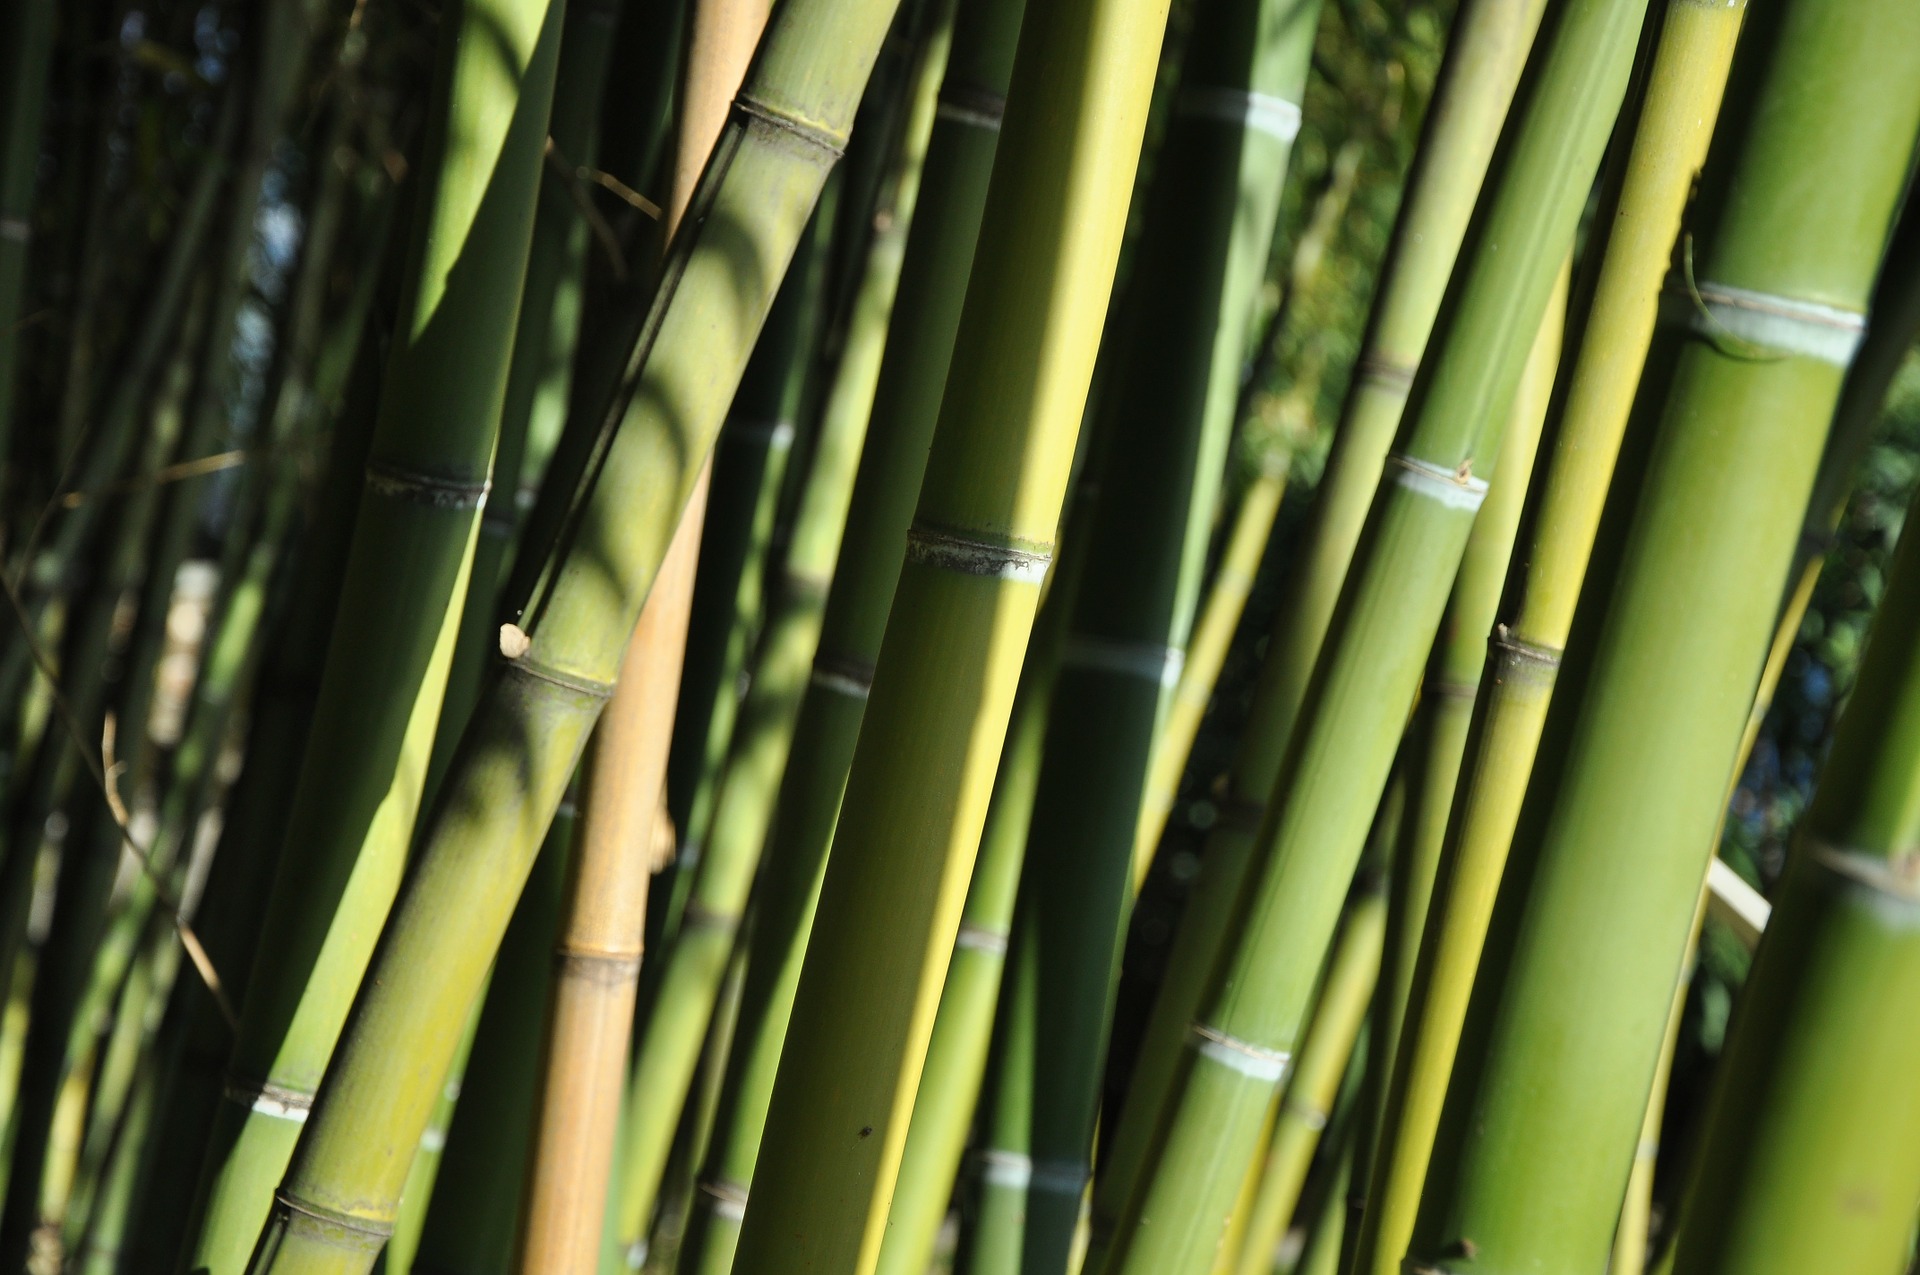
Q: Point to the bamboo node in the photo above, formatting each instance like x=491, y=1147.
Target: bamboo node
x=276, y=1102
x=1149, y=661
x=1059, y=1177
x=843, y=675
x=591, y=688
x=975, y=937
x=696, y=917
x=1441, y=689
x=1312, y=1116
x=1454, y=488
x=1772, y=325
x=1009, y=1170
x=1385, y=373
x=421, y=488
x=15, y=229
x=340, y=1230
x=1254, y=1061
x=1510, y=650
x=1261, y=112
x=831, y=141
x=971, y=105
x=775, y=435
x=725, y=1198
x=972, y=556
x=612, y=966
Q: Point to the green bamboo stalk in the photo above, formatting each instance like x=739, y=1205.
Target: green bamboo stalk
x=1436, y=738
x=1306, y=1106
x=1392, y=605
x=30, y=29
x=1630, y=1237
x=965, y=1040
x=380, y=694
x=787, y=126
x=1207, y=234
x=746, y=794
x=1774, y=301
x=944, y=682
x=1670, y=137
x=939, y=255
x=1482, y=69
x=470, y=1219
x=695, y=966
x=1810, y=1148
x=546, y=335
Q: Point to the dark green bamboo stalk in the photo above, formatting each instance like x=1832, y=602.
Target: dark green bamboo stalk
x=381, y=691
x=1669, y=143
x=747, y=791
x=1484, y=61
x=786, y=128
x=1550, y=1083
x=1208, y=231
x=1239, y=1046
x=24, y=71
x=938, y=257
x=944, y=681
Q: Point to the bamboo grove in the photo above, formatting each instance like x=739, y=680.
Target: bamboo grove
x=877, y=637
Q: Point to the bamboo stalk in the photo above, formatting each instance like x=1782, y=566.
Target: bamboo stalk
x=1485, y=56
x=938, y=258
x=1208, y=232
x=945, y=677
x=785, y=130
x=1669, y=144
x=1742, y=424
x=380, y=694
x=1238, y=1047
x=1306, y=1106
x=599, y=947
x=30, y=30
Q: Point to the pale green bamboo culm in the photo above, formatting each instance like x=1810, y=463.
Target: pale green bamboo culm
x=1669, y=140
x=787, y=128
x=1483, y=65
x=380, y=693
x=1593, y=917
x=1238, y=1047
x=1812, y=1156
x=944, y=681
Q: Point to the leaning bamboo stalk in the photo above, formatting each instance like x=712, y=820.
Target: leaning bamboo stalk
x=939, y=257
x=786, y=129
x=598, y=950
x=1810, y=1151
x=1170, y=407
x=1766, y=319
x=944, y=681
x=747, y=790
x=1306, y=1106
x=1669, y=144
x=1238, y=1047
x=386, y=671
x=1485, y=56
x=1630, y=1237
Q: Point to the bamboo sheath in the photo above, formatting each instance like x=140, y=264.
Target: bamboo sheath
x=381, y=690
x=1669, y=143
x=1169, y=395
x=938, y=258
x=1239, y=1045
x=748, y=789
x=1306, y=1105
x=1484, y=60
x=1660, y=707
x=945, y=677
x=785, y=131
